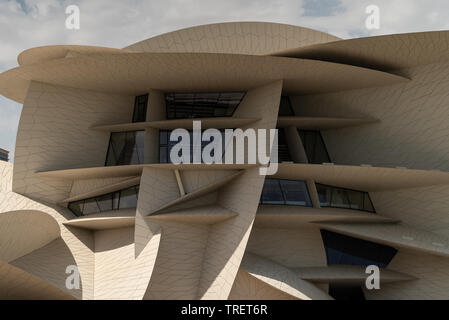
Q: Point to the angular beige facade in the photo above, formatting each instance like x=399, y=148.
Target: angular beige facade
x=362, y=179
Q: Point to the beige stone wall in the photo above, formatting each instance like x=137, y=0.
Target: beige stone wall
x=16, y=284
x=292, y=248
x=119, y=274
x=227, y=240
x=425, y=208
x=178, y=266
x=412, y=131
x=248, y=287
x=23, y=231
x=432, y=282
x=54, y=134
x=47, y=261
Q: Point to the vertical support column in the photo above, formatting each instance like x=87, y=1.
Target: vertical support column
x=155, y=112
x=156, y=106
x=227, y=240
x=151, y=145
x=180, y=185
x=313, y=193
x=295, y=145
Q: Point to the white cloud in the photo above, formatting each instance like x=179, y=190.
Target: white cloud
x=30, y=23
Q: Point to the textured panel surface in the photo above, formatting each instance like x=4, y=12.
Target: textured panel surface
x=53, y=134
x=248, y=287
x=234, y=37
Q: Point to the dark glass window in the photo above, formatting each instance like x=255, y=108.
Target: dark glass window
x=272, y=193
x=283, y=151
x=140, y=108
x=125, y=148
x=285, y=108
x=285, y=192
x=346, y=250
x=202, y=105
x=314, y=146
x=335, y=197
x=123, y=199
x=165, y=145
x=128, y=198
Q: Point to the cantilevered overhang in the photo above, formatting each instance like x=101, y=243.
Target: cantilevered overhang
x=132, y=170
x=385, y=53
x=347, y=274
x=292, y=217
x=46, y=53
x=364, y=178
x=135, y=73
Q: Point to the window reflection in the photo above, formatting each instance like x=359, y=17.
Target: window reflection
x=126, y=148
x=202, y=105
x=335, y=197
x=140, y=108
x=314, y=147
x=123, y=199
x=285, y=192
x=341, y=249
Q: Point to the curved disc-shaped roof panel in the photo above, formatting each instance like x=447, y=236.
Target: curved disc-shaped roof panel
x=385, y=53
x=42, y=54
x=39, y=227
x=134, y=73
x=254, y=38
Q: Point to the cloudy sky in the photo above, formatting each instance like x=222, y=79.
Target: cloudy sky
x=117, y=23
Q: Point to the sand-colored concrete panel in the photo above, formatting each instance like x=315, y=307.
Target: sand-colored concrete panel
x=201, y=191
x=206, y=123
x=430, y=271
x=248, y=287
x=119, y=274
x=320, y=123
x=412, y=129
x=73, y=247
x=364, y=178
x=233, y=37
x=85, y=189
x=291, y=217
x=177, y=268
x=281, y=278
x=157, y=187
x=41, y=54
x=346, y=274
x=423, y=207
x=207, y=214
x=53, y=134
x=292, y=248
x=105, y=220
x=201, y=72
x=387, y=52
x=396, y=235
x=39, y=227
x=227, y=240
x=16, y=284
x=132, y=170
